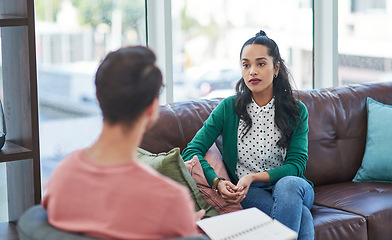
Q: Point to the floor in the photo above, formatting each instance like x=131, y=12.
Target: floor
x=8, y=231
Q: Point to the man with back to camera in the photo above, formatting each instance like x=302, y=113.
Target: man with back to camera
x=103, y=191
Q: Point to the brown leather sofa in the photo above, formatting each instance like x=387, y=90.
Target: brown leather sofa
x=338, y=123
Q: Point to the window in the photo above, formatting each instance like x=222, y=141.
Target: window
x=365, y=53
x=73, y=36
x=207, y=42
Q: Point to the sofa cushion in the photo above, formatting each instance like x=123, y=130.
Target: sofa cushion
x=377, y=160
x=332, y=223
x=371, y=200
x=214, y=158
x=172, y=165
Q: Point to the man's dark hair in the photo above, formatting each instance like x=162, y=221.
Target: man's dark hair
x=127, y=81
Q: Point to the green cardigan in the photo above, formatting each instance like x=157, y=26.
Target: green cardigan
x=224, y=120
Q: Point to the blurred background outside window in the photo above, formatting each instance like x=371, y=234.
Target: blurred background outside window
x=73, y=36
x=208, y=36
x=364, y=41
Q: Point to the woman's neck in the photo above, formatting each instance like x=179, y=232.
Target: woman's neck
x=262, y=99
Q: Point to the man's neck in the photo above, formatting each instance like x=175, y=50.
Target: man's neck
x=116, y=144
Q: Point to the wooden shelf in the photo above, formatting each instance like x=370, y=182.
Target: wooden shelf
x=13, y=152
x=9, y=21
x=21, y=153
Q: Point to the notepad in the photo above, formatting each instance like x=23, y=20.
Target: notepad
x=247, y=224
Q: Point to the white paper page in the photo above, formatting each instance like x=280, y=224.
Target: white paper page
x=232, y=224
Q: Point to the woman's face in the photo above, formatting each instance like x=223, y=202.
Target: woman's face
x=258, y=69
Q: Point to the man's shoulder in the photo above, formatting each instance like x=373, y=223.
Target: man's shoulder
x=70, y=161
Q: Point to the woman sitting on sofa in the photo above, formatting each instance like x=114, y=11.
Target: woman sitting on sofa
x=265, y=144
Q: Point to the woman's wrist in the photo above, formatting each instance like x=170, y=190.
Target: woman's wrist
x=216, y=182
x=252, y=177
x=260, y=177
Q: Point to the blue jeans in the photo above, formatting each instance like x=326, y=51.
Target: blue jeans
x=289, y=201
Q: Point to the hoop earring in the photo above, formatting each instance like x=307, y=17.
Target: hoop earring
x=275, y=75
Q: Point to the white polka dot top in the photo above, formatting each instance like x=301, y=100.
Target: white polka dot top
x=257, y=151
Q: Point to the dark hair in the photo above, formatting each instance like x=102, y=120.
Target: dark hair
x=127, y=81
x=286, y=108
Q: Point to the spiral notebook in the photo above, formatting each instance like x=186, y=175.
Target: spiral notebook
x=245, y=224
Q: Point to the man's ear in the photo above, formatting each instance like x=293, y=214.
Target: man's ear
x=152, y=111
x=151, y=108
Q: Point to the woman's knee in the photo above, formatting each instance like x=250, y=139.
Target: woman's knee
x=290, y=186
x=290, y=183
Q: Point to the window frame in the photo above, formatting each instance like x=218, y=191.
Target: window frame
x=159, y=39
x=325, y=44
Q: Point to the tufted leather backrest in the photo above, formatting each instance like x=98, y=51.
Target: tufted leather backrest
x=337, y=128
x=177, y=124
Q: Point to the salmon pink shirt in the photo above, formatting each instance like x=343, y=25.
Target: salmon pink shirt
x=123, y=201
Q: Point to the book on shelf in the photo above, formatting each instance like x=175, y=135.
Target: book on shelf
x=245, y=224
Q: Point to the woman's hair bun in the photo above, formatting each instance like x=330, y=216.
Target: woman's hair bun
x=261, y=33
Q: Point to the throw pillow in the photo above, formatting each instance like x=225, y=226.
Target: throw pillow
x=377, y=160
x=172, y=165
x=214, y=158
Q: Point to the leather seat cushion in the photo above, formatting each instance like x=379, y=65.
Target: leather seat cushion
x=334, y=224
x=373, y=201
